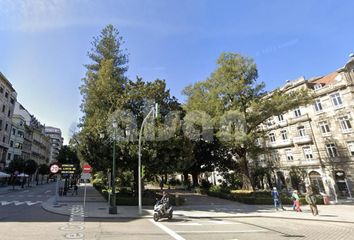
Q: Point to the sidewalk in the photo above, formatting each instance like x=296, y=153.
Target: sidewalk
x=10, y=189
x=196, y=206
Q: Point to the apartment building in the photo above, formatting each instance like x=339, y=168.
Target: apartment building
x=317, y=139
x=8, y=97
x=16, y=138
x=35, y=144
x=56, y=142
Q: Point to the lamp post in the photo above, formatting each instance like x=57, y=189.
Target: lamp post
x=155, y=111
x=113, y=207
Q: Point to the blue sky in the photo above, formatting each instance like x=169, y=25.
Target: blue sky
x=43, y=43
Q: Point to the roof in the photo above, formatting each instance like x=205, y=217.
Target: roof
x=330, y=78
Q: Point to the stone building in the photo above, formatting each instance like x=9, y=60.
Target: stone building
x=8, y=97
x=316, y=142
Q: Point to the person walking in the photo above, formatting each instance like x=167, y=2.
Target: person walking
x=311, y=200
x=296, y=198
x=276, y=199
x=75, y=189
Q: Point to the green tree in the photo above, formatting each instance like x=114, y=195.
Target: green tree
x=238, y=104
x=30, y=168
x=103, y=92
x=43, y=169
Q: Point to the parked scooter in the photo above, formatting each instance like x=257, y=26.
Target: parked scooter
x=163, y=209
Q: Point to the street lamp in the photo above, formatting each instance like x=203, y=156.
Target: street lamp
x=113, y=207
x=154, y=111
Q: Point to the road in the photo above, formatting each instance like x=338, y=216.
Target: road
x=22, y=217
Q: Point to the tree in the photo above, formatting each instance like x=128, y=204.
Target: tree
x=30, y=168
x=238, y=105
x=103, y=91
x=43, y=169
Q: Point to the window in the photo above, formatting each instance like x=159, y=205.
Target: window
x=272, y=137
x=11, y=143
x=301, y=131
x=6, y=126
x=289, y=155
x=284, y=135
x=308, y=153
x=3, y=139
x=318, y=105
x=1, y=90
x=8, y=156
x=281, y=118
x=3, y=108
x=331, y=150
x=18, y=145
x=297, y=112
x=20, y=133
x=13, y=131
x=6, y=94
x=275, y=156
x=317, y=86
x=12, y=101
x=9, y=113
x=336, y=100
x=324, y=127
x=345, y=124
x=0, y=124
x=351, y=148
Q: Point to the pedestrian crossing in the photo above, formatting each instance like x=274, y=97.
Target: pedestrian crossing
x=29, y=195
x=18, y=203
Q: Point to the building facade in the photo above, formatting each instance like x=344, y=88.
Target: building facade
x=315, y=142
x=16, y=138
x=56, y=141
x=8, y=97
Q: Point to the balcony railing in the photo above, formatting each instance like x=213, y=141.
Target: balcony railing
x=280, y=143
x=301, y=118
x=302, y=139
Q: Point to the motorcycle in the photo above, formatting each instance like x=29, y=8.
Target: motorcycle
x=159, y=211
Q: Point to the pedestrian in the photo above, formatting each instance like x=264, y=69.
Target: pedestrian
x=75, y=190
x=311, y=200
x=161, y=184
x=276, y=199
x=296, y=198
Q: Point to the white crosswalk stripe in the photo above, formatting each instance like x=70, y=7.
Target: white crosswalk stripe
x=18, y=203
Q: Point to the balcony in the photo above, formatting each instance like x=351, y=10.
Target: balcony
x=302, y=139
x=280, y=144
x=302, y=118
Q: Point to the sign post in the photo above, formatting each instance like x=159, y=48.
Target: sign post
x=55, y=169
x=86, y=174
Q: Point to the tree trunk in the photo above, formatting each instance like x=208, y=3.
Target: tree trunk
x=195, y=179
x=246, y=178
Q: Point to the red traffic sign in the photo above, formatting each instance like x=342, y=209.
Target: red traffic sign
x=54, y=168
x=87, y=168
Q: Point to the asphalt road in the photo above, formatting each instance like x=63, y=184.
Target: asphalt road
x=22, y=217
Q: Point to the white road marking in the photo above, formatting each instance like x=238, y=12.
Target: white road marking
x=167, y=230
x=48, y=191
x=17, y=203
x=240, y=231
x=29, y=203
x=4, y=203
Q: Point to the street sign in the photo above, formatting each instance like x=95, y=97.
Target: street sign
x=87, y=168
x=67, y=168
x=86, y=176
x=54, y=168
